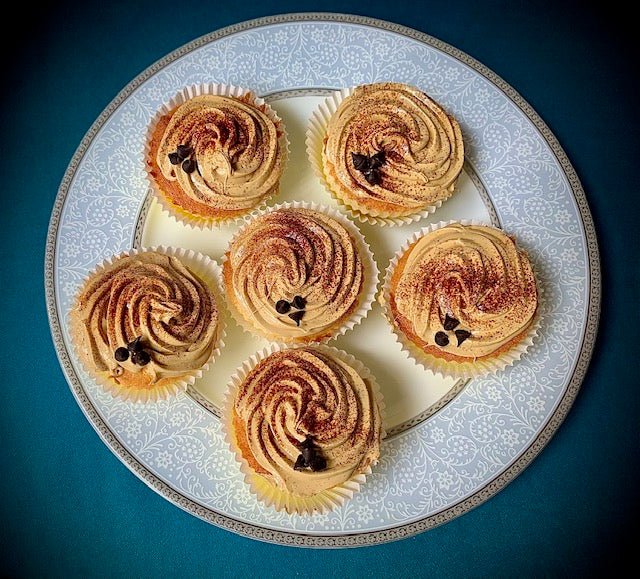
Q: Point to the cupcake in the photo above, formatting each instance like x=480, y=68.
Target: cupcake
x=463, y=299
x=214, y=154
x=305, y=424
x=299, y=274
x=390, y=151
x=146, y=324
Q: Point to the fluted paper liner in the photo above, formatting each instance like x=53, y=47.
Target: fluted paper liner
x=210, y=273
x=316, y=131
x=261, y=487
x=367, y=292
x=473, y=368
x=172, y=209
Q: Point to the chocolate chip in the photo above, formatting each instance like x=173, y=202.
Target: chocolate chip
x=299, y=465
x=373, y=177
x=282, y=306
x=450, y=323
x=360, y=162
x=189, y=165
x=308, y=454
x=141, y=358
x=183, y=152
x=318, y=463
x=297, y=316
x=377, y=160
x=442, y=339
x=174, y=158
x=121, y=354
x=306, y=443
x=135, y=345
x=462, y=335
x=299, y=302
x=369, y=166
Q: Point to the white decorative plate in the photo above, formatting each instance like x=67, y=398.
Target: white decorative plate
x=452, y=445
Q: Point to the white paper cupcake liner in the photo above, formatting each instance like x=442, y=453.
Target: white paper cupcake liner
x=454, y=369
x=173, y=210
x=367, y=293
x=261, y=487
x=208, y=271
x=316, y=131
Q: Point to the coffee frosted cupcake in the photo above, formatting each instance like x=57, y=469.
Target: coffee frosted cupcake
x=299, y=273
x=463, y=299
x=388, y=150
x=214, y=153
x=306, y=425
x=146, y=324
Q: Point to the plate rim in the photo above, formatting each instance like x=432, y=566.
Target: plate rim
x=302, y=539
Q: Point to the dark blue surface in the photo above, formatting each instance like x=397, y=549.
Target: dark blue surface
x=69, y=507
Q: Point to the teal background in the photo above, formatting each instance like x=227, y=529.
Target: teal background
x=68, y=506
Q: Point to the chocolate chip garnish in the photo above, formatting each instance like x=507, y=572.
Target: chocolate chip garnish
x=308, y=454
x=121, y=354
x=309, y=457
x=442, y=339
x=141, y=358
x=373, y=177
x=462, y=335
x=318, y=463
x=184, y=151
x=297, y=316
x=360, y=162
x=189, y=165
x=450, y=323
x=282, y=306
x=369, y=166
x=174, y=158
x=135, y=345
x=306, y=443
x=377, y=160
x=299, y=302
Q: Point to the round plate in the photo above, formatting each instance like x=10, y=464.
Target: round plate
x=452, y=445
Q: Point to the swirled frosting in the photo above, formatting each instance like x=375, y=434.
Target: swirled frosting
x=235, y=146
x=155, y=297
x=302, y=392
x=473, y=274
x=288, y=253
x=422, y=144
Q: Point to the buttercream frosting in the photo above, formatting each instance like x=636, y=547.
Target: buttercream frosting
x=475, y=275
x=154, y=297
x=294, y=252
x=235, y=146
x=422, y=145
x=304, y=392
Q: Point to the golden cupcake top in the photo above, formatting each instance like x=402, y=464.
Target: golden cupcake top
x=308, y=420
x=145, y=318
x=466, y=290
x=394, y=148
x=294, y=273
x=219, y=152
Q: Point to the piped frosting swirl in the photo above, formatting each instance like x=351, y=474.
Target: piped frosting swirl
x=294, y=252
x=468, y=279
x=236, y=149
x=305, y=393
x=421, y=143
x=154, y=297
